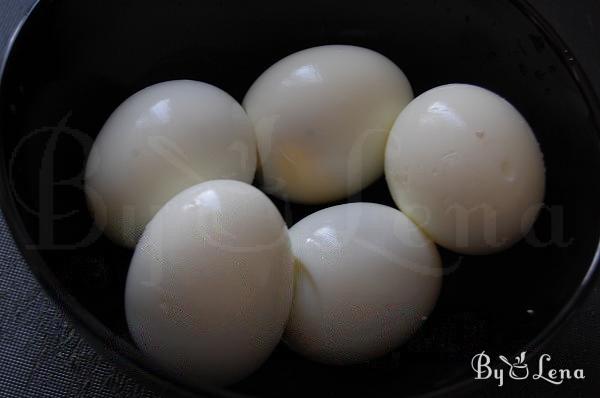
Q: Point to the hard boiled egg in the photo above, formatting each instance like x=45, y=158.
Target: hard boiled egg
x=366, y=279
x=322, y=117
x=464, y=165
x=209, y=288
x=164, y=139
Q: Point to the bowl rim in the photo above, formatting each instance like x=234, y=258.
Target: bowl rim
x=130, y=360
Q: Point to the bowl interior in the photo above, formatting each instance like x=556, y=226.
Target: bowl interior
x=74, y=62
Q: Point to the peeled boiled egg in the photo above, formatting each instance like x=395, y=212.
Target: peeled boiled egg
x=158, y=142
x=465, y=166
x=366, y=279
x=209, y=288
x=322, y=118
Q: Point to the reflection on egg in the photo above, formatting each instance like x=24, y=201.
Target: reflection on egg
x=163, y=139
x=322, y=117
x=464, y=165
x=366, y=279
x=209, y=288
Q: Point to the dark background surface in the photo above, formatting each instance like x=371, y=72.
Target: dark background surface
x=41, y=355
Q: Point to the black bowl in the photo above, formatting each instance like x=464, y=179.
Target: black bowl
x=73, y=62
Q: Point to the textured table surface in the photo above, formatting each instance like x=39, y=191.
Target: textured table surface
x=42, y=355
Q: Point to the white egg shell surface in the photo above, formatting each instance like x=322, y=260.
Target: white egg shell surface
x=366, y=279
x=465, y=166
x=161, y=140
x=322, y=117
x=209, y=288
